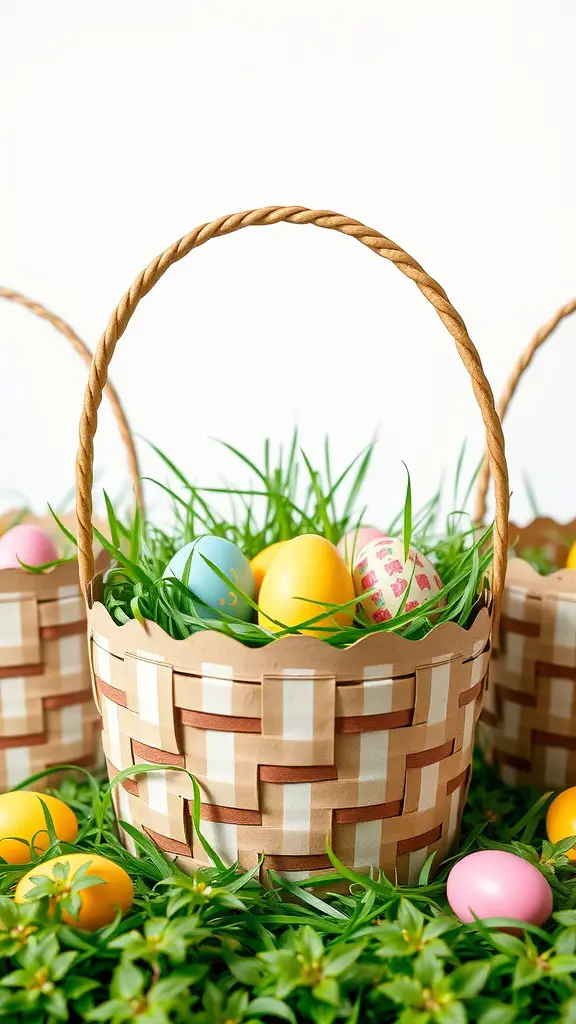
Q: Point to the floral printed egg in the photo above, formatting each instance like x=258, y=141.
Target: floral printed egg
x=400, y=582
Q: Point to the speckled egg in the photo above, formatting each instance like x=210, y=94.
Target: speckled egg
x=381, y=563
x=26, y=543
x=353, y=541
x=495, y=883
x=206, y=585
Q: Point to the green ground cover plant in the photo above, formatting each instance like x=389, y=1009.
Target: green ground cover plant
x=217, y=948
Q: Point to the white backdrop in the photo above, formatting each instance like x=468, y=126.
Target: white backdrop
x=125, y=124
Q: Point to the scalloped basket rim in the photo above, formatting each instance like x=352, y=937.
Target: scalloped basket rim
x=530, y=573
x=19, y=580
x=480, y=626
x=544, y=521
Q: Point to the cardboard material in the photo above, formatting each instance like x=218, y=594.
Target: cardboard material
x=47, y=715
x=528, y=727
x=293, y=742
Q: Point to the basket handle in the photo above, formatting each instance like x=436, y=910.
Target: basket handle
x=510, y=388
x=381, y=246
x=82, y=349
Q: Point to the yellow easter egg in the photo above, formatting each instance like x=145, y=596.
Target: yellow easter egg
x=263, y=560
x=571, y=563
x=22, y=818
x=309, y=568
x=99, y=903
x=561, y=819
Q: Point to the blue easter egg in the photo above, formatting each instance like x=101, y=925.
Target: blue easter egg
x=205, y=584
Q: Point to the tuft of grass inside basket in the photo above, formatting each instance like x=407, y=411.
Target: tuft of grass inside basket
x=292, y=497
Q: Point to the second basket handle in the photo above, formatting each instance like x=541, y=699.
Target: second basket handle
x=381, y=246
x=510, y=388
x=82, y=349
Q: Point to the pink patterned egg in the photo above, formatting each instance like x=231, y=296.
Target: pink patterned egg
x=353, y=541
x=26, y=543
x=495, y=883
x=400, y=581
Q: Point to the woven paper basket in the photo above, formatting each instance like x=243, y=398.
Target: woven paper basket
x=295, y=742
x=528, y=727
x=46, y=709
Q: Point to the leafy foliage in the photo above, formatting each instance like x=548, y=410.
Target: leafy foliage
x=216, y=948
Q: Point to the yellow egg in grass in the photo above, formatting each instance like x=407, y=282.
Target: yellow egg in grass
x=99, y=903
x=309, y=568
x=22, y=817
x=571, y=563
x=561, y=819
x=263, y=560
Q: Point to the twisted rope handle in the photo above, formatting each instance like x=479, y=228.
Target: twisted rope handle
x=381, y=246
x=82, y=349
x=518, y=371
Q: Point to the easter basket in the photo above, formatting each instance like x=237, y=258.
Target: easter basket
x=528, y=726
x=46, y=709
x=295, y=742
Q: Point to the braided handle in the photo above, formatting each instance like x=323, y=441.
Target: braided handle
x=79, y=346
x=518, y=371
x=381, y=246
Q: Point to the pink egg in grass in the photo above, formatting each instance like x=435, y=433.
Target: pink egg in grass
x=493, y=883
x=354, y=540
x=28, y=544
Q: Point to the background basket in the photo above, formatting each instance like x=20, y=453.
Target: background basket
x=297, y=741
x=528, y=725
x=47, y=715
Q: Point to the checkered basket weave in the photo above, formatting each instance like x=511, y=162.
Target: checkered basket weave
x=296, y=741
x=528, y=726
x=47, y=715
x=46, y=708
x=529, y=720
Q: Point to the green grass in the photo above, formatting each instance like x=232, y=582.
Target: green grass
x=539, y=557
x=288, y=496
x=216, y=948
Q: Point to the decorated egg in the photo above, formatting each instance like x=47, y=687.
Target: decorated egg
x=28, y=544
x=22, y=817
x=561, y=818
x=305, y=573
x=206, y=585
x=571, y=563
x=263, y=560
x=353, y=541
x=494, y=883
x=99, y=903
x=381, y=563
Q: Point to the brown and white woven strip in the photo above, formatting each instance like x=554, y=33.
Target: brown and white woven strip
x=528, y=727
x=293, y=743
x=47, y=715
x=297, y=741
